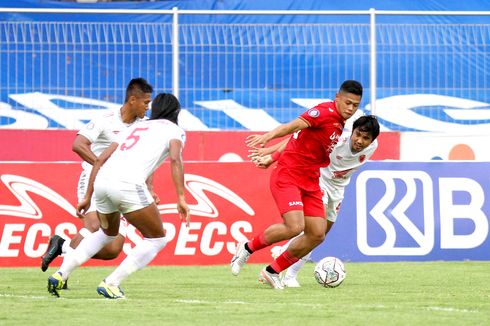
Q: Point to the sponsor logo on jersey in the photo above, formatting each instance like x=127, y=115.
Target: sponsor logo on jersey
x=362, y=158
x=295, y=203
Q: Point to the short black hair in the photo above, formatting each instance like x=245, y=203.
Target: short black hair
x=367, y=123
x=351, y=86
x=137, y=87
x=165, y=106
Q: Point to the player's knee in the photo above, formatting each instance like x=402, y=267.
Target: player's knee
x=318, y=238
x=92, y=225
x=295, y=230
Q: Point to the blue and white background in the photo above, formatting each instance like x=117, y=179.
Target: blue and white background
x=413, y=211
x=247, y=71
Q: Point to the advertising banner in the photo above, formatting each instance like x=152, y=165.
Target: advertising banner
x=392, y=211
x=228, y=202
x=55, y=145
x=396, y=211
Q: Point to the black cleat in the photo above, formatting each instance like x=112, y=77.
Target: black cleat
x=54, y=250
x=65, y=285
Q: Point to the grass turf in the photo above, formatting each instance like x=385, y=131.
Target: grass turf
x=407, y=293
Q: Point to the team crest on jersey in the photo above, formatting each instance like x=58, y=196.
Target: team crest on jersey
x=313, y=113
x=362, y=158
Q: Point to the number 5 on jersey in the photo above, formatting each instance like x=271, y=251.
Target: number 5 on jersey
x=132, y=139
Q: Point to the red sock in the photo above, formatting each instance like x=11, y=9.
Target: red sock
x=283, y=261
x=257, y=242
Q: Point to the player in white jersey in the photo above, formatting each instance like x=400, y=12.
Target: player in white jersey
x=118, y=182
x=89, y=143
x=350, y=153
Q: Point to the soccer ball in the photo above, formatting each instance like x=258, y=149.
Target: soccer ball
x=330, y=272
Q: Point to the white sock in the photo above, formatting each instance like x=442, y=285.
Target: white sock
x=88, y=247
x=65, y=248
x=140, y=256
x=123, y=227
x=294, y=269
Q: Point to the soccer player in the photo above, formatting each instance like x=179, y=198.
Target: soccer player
x=294, y=182
x=351, y=152
x=118, y=182
x=89, y=143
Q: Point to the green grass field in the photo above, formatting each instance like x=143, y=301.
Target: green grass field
x=430, y=293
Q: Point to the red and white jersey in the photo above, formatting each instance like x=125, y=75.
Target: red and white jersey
x=142, y=148
x=343, y=163
x=309, y=149
x=102, y=131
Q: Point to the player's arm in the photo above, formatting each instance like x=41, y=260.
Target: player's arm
x=81, y=146
x=280, y=131
x=177, y=170
x=149, y=184
x=99, y=161
x=264, y=157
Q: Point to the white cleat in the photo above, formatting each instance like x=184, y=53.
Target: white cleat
x=271, y=279
x=240, y=258
x=291, y=282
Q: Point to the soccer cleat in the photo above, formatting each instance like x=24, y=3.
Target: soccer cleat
x=291, y=282
x=271, y=279
x=54, y=250
x=55, y=283
x=65, y=285
x=240, y=258
x=110, y=291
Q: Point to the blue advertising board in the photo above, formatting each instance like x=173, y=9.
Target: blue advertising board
x=398, y=211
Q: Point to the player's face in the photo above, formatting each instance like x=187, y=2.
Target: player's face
x=347, y=104
x=360, y=140
x=140, y=104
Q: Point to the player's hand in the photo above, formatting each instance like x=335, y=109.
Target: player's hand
x=82, y=207
x=262, y=162
x=253, y=152
x=184, y=212
x=256, y=141
x=155, y=197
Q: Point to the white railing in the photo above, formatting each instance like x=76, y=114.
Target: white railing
x=176, y=13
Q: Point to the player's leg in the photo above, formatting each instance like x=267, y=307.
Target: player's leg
x=91, y=224
x=88, y=247
x=288, y=199
x=148, y=221
x=290, y=276
x=314, y=233
x=292, y=225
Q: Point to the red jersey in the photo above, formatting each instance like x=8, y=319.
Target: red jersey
x=309, y=149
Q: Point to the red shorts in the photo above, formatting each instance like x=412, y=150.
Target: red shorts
x=289, y=196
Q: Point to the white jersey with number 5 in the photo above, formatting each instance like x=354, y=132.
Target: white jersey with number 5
x=142, y=148
x=343, y=163
x=102, y=131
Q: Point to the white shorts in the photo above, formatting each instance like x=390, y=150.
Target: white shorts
x=82, y=189
x=332, y=206
x=112, y=196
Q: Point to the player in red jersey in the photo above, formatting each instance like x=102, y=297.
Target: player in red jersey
x=294, y=181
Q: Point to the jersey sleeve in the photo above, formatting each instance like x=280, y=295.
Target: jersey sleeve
x=178, y=133
x=92, y=130
x=316, y=116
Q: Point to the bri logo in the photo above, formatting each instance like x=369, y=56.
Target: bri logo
x=295, y=203
x=404, y=212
